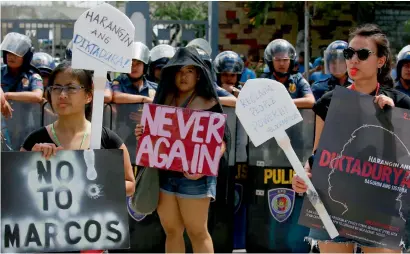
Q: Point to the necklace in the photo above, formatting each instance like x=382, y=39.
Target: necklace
x=53, y=131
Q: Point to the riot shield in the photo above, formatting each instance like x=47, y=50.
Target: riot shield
x=274, y=208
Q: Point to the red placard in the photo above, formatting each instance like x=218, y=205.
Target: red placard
x=181, y=139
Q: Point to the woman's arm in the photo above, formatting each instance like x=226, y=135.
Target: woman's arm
x=129, y=175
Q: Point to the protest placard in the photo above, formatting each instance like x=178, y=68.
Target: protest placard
x=266, y=110
x=361, y=170
x=103, y=41
x=55, y=206
x=181, y=139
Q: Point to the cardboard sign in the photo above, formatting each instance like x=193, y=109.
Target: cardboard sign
x=103, y=38
x=181, y=139
x=369, y=150
x=74, y=201
x=266, y=110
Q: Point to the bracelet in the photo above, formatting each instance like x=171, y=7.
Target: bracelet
x=142, y=100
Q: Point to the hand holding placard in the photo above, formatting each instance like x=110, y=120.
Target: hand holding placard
x=103, y=38
x=266, y=110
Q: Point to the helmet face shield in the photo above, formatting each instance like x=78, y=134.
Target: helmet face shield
x=140, y=52
x=16, y=43
x=202, y=44
x=335, y=63
x=162, y=51
x=228, y=61
x=282, y=54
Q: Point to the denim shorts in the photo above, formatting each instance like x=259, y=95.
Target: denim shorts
x=179, y=185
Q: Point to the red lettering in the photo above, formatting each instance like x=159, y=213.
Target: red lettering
x=386, y=174
x=324, y=158
x=377, y=170
x=333, y=161
x=406, y=180
x=349, y=163
x=367, y=169
x=339, y=163
x=397, y=174
x=356, y=168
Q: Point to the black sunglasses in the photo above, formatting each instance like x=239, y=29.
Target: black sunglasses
x=362, y=54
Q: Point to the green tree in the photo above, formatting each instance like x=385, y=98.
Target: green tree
x=196, y=11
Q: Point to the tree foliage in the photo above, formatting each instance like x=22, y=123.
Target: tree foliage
x=179, y=11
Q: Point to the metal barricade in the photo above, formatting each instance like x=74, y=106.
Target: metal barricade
x=26, y=119
x=274, y=208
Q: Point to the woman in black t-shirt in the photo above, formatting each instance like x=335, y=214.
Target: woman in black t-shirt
x=368, y=60
x=70, y=94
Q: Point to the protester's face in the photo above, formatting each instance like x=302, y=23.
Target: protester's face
x=405, y=71
x=364, y=69
x=229, y=78
x=137, y=68
x=281, y=62
x=157, y=73
x=73, y=99
x=14, y=61
x=337, y=67
x=186, y=78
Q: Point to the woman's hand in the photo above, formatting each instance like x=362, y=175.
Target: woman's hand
x=223, y=148
x=48, y=149
x=383, y=100
x=6, y=110
x=138, y=131
x=298, y=185
x=193, y=176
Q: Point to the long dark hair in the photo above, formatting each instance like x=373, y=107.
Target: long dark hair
x=84, y=76
x=383, y=49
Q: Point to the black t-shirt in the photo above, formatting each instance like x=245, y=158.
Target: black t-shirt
x=400, y=100
x=109, y=139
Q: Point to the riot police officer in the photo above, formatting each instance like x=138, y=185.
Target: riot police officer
x=160, y=56
x=335, y=65
x=280, y=56
x=45, y=64
x=19, y=80
x=225, y=98
x=134, y=87
x=403, y=71
x=229, y=67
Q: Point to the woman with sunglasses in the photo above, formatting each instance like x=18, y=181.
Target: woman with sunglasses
x=368, y=61
x=70, y=94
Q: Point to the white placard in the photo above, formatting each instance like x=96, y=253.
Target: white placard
x=103, y=38
x=266, y=110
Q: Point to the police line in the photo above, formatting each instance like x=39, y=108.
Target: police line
x=256, y=188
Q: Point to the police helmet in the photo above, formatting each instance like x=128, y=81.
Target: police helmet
x=228, y=61
x=402, y=57
x=334, y=55
x=282, y=49
x=43, y=62
x=202, y=44
x=20, y=45
x=159, y=57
